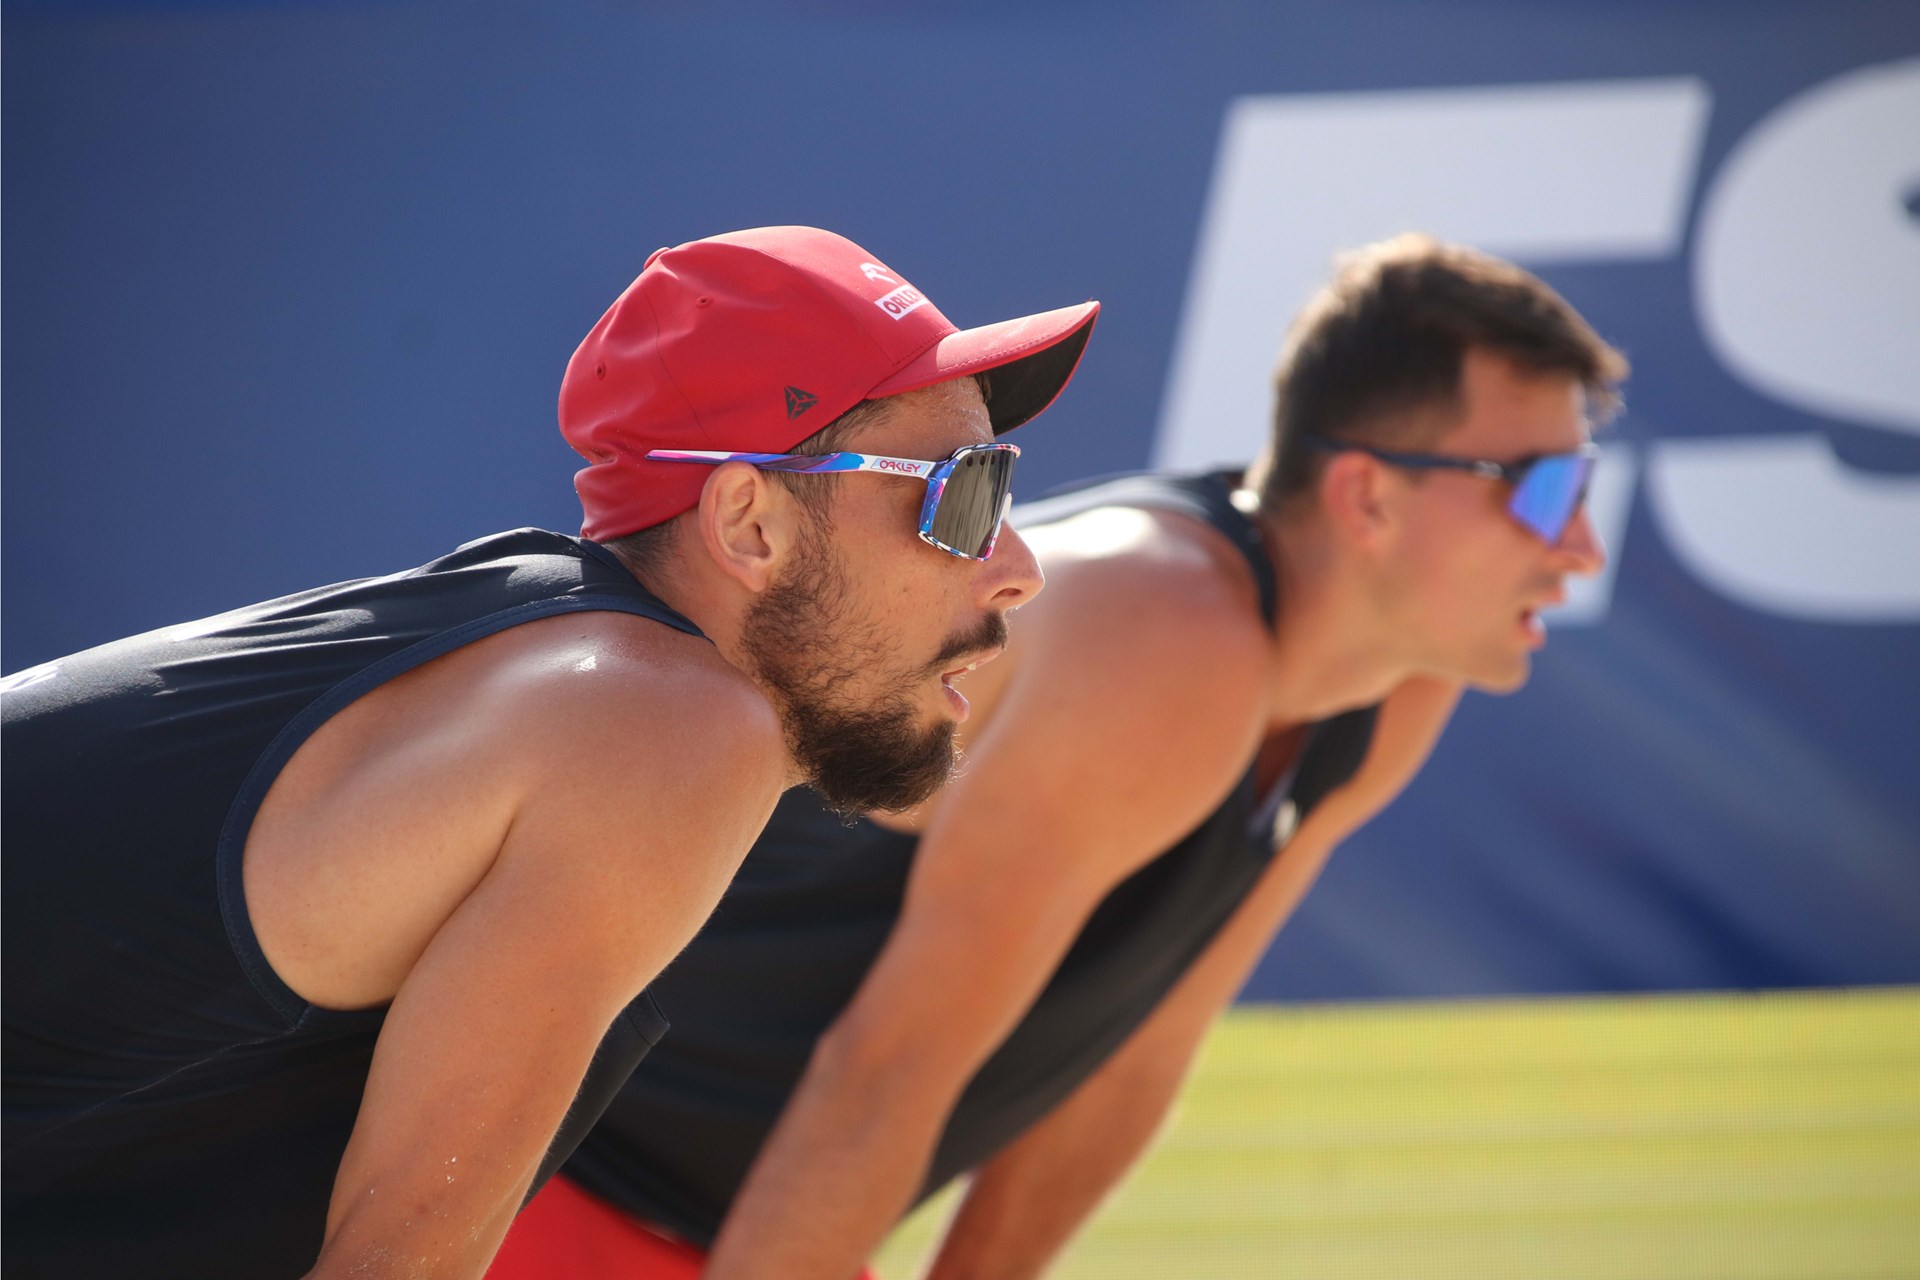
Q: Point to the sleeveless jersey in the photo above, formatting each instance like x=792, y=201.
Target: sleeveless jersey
x=816, y=899
x=172, y=1108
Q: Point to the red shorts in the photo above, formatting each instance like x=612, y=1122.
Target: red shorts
x=566, y=1234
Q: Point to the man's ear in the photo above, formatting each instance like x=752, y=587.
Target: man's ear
x=748, y=524
x=1353, y=494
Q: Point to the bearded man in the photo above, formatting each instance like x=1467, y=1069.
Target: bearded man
x=328, y=919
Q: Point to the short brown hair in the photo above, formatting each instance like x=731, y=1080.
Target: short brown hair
x=1388, y=334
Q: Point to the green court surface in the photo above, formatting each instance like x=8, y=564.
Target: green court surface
x=1699, y=1137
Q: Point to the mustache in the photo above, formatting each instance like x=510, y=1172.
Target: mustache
x=991, y=633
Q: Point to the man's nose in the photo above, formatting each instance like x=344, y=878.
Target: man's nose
x=1011, y=575
x=1579, y=543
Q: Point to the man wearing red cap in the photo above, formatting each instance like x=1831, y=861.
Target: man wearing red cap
x=1228, y=673
x=319, y=912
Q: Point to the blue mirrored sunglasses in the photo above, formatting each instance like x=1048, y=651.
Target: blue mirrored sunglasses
x=968, y=492
x=1547, y=491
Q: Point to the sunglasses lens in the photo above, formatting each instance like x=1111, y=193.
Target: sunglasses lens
x=973, y=500
x=1551, y=491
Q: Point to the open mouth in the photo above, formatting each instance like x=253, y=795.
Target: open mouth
x=948, y=677
x=957, y=701
x=1532, y=624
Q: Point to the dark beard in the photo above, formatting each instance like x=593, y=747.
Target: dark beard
x=856, y=757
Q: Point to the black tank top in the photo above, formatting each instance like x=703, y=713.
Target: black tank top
x=816, y=899
x=172, y=1108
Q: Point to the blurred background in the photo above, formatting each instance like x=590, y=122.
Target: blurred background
x=1626, y=983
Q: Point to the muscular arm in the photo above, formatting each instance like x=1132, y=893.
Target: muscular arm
x=618, y=846
x=1084, y=772
x=1027, y=1202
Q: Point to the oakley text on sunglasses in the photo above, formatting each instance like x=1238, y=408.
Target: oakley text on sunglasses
x=1547, y=490
x=968, y=492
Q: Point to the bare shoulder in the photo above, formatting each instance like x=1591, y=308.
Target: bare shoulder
x=611, y=698
x=1152, y=587
x=595, y=750
x=1137, y=682
x=647, y=766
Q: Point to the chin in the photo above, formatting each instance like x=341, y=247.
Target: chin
x=1507, y=678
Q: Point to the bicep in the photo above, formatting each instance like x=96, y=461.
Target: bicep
x=600, y=880
x=1411, y=720
x=482, y=1050
x=487, y=1038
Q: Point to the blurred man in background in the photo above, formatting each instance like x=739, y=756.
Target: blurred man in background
x=1228, y=675
x=318, y=912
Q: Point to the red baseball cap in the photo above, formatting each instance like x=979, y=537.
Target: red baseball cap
x=752, y=341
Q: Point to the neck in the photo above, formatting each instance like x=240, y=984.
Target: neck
x=705, y=599
x=1334, y=649
x=720, y=614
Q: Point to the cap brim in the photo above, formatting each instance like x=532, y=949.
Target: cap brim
x=1032, y=360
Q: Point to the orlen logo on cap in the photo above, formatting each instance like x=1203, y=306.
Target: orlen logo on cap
x=902, y=300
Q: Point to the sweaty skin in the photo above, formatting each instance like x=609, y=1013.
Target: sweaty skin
x=1127, y=705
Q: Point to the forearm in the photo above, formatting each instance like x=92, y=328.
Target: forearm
x=427, y=1194
x=839, y=1170
x=1025, y=1204
x=415, y=1237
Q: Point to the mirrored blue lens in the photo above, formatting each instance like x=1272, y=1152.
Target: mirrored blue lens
x=1551, y=491
x=969, y=499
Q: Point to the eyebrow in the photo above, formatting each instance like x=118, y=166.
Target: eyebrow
x=1528, y=459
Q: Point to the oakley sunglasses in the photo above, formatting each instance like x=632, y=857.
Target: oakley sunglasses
x=1547, y=490
x=968, y=492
